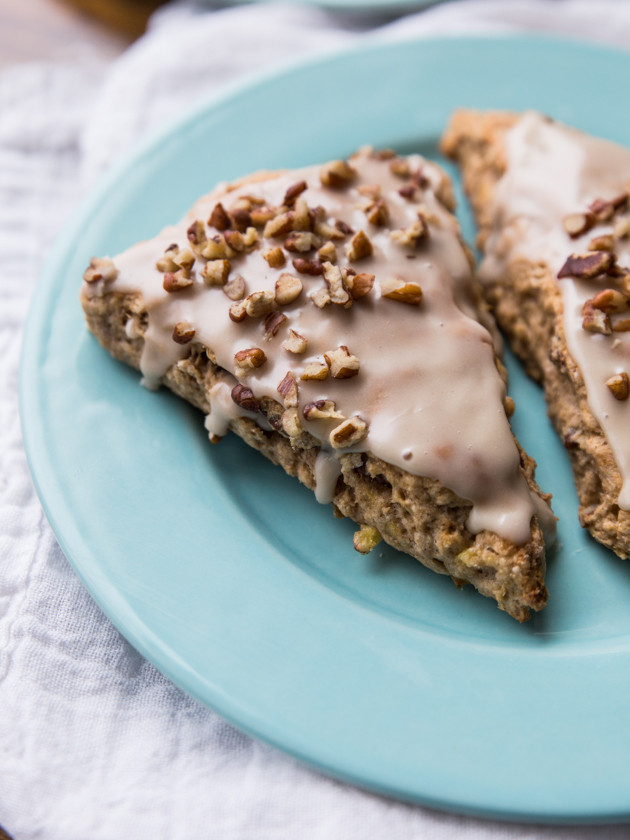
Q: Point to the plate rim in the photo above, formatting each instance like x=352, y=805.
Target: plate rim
x=45, y=482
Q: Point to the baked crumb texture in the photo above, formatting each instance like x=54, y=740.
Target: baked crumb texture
x=527, y=301
x=413, y=513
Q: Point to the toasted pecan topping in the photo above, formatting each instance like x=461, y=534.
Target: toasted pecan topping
x=196, y=235
x=606, y=242
x=215, y=272
x=296, y=344
x=249, y=359
x=619, y=386
x=342, y=363
x=287, y=289
x=274, y=257
x=304, y=266
x=337, y=292
x=235, y=287
x=321, y=410
x=315, y=370
x=293, y=192
x=575, y=224
x=586, y=266
x=359, y=285
x=337, y=174
x=273, y=322
x=360, y=247
x=288, y=390
x=410, y=293
x=219, y=218
x=259, y=304
x=595, y=320
x=349, y=433
x=244, y=397
x=100, y=268
x=412, y=236
x=176, y=281
x=183, y=332
x=302, y=241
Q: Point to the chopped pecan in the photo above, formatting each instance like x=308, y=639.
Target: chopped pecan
x=328, y=252
x=176, y=281
x=621, y=228
x=575, y=224
x=349, y=433
x=410, y=293
x=337, y=174
x=183, y=332
x=320, y=297
x=610, y=301
x=216, y=248
x=408, y=191
x=273, y=322
x=360, y=247
x=372, y=191
x=287, y=289
x=279, y=225
x=315, y=370
x=242, y=242
x=302, y=241
x=235, y=287
x=249, y=359
x=288, y=390
x=400, y=167
x=291, y=424
x=100, y=268
x=219, y=218
x=342, y=363
x=293, y=192
x=619, y=386
x=196, y=235
x=304, y=266
x=321, y=410
x=586, y=266
x=244, y=397
x=261, y=215
x=336, y=289
x=358, y=284
x=259, y=304
x=595, y=320
x=412, y=236
x=215, y=272
x=296, y=344
x=606, y=242
x=240, y=218
x=237, y=312
x=377, y=212
x=274, y=257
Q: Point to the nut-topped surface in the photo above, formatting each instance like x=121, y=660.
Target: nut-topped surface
x=340, y=302
x=564, y=201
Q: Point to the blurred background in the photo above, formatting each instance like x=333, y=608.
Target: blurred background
x=60, y=29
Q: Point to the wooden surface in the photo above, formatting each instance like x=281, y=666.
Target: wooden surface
x=63, y=29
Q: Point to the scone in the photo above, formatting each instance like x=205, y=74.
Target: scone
x=554, y=227
x=330, y=317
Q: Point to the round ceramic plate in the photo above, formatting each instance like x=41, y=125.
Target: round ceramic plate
x=231, y=578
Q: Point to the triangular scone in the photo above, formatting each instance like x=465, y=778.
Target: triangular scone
x=554, y=226
x=329, y=316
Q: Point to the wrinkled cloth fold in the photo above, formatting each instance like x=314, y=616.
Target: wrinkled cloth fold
x=95, y=744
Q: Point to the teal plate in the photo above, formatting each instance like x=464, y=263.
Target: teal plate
x=230, y=577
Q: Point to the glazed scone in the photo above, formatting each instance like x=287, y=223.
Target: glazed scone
x=330, y=317
x=554, y=226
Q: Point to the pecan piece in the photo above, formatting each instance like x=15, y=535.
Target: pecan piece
x=412, y=236
x=274, y=257
x=176, y=281
x=249, y=359
x=100, y=268
x=575, y=224
x=302, y=241
x=400, y=167
x=334, y=280
x=321, y=410
x=349, y=433
x=293, y=192
x=296, y=344
x=595, y=320
x=410, y=293
x=287, y=289
x=273, y=322
x=259, y=304
x=337, y=174
x=610, y=301
x=360, y=247
x=183, y=332
x=215, y=272
x=586, y=266
x=219, y=218
x=244, y=397
x=358, y=284
x=196, y=235
x=342, y=363
x=288, y=390
x=311, y=267
x=619, y=386
x=235, y=287
x=242, y=242
x=315, y=370
x=606, y=242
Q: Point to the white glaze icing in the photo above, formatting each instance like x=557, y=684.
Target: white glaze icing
x=553, y=171
x=428, y=385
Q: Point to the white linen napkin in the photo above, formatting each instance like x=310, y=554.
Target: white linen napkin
x=94, y=743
